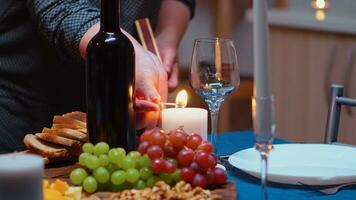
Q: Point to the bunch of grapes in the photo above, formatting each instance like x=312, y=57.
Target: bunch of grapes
x=185, y=155
x=168, y=157
x=112, y=169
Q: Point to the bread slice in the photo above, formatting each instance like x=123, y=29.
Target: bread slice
x=70, y=121
x=81, y=116
x=52, y=138
x=69, y=126
x=43, y=148
x=67, y=133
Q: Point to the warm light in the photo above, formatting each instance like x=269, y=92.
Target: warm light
x=253, y=108
x=320, y=15
x=182, y=99
x=320, y=4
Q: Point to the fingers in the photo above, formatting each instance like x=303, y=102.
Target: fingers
x=163, y=85
x=146, y=120
x=169, y=59
x=145, y=106
x=147, y=114
x=173, y=77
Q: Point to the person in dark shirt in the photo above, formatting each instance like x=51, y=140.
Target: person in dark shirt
x=42, y=56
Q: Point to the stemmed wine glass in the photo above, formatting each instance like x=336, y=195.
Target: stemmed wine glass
x=264, y=127
x=214, y=74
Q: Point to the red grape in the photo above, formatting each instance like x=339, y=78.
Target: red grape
x=194, y=141
x=196, y=168
x=220, y=176
x=206, y=146
x=154, y=151
x=169, y=167
x=215, y=157
x=205, y=160
x=209, y=175
x=172, y=160
x=142, y=148
x=187, y=174
x=145, y=136
x=158, y=165
x=178, y=138
x=185, y=157
x=170, y=151
x=199, y=180
x=157, y=138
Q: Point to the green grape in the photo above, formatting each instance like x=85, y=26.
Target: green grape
x=101, y=148
x=176, y=175
x=88, y=148
x=111, y=167
x=93, y=162
x=104, y=160
x=118, y=177
x=101, y=174
x=140, y=184
x=89, y=184
x=78, y=175
x=135, y=154
x=166, y=178
x=145, y=173
x=132, y=175
x=116, y=156
x=83, y=158
x=152, y=181
x=144, y=161
x=121, y=151
x=127, y=163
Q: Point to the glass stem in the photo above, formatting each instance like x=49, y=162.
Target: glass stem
x=264, y=162
x=214, y=107
x=214, y=128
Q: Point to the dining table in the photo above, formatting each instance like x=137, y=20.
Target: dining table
x=248, y=187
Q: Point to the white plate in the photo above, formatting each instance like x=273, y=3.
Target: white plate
x=313, y=164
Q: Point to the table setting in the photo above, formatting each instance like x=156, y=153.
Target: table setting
x=181, y=159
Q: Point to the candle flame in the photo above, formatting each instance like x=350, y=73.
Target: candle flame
x=182, y=99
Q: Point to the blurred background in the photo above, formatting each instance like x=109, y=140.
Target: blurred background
x=312, y=45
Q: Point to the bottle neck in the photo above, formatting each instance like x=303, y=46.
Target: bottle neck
x=110, y=16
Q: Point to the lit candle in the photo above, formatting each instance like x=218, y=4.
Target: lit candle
x=191, y=119
x=21, y=176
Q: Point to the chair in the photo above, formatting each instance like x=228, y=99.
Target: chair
x=336, y=101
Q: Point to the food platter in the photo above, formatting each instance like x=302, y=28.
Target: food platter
x=227, y=191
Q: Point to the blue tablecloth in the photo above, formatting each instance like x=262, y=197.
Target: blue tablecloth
x=248, y=187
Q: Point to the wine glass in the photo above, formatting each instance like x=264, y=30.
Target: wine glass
x=264, y=127
x=214, y=74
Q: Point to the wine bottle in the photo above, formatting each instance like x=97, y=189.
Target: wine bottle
x=110, y=82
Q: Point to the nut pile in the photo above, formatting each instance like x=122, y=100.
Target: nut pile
x=161, y=191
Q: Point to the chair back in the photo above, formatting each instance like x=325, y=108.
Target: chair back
x=333, y=120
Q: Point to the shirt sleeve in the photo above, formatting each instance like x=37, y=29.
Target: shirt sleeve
x=191, y=5
x=64, y=22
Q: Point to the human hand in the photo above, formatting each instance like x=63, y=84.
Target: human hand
x=150, y=80
x=169, y=56
x=151, y=86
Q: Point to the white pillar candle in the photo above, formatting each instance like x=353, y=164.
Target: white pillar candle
x=191, y=119
x=260, y=47
x=21, y=176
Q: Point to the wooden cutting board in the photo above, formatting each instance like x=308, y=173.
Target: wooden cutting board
x=228, y=191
